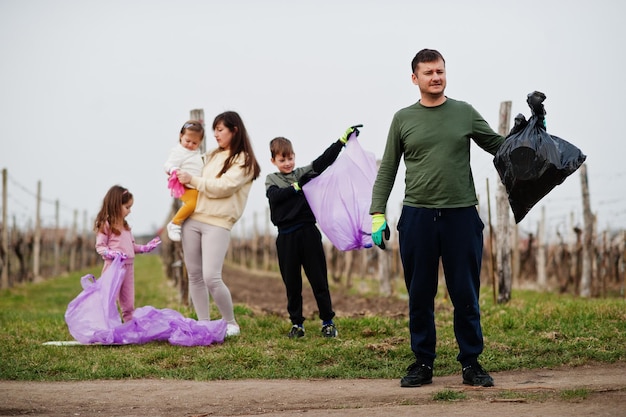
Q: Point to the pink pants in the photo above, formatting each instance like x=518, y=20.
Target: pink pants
x=126, y=297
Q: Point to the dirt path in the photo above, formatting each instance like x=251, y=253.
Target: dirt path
x=600, y=390
x=520, y=393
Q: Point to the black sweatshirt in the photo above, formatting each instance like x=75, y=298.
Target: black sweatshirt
x=289, y=208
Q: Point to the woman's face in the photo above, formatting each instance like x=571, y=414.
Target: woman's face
x=223, y=136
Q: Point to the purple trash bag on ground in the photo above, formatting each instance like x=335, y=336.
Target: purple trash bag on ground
x=340, y=197
x=92, y=318
x=95, y=309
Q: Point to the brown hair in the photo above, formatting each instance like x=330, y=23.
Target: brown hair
x=240, y=143
x=281, y=146
x=426, y=55
x=194, y=126
x=111, y=211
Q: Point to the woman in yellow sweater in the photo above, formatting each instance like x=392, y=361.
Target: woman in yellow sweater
x=223, y=190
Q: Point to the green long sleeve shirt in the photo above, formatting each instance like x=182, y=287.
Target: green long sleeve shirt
x=435, y=144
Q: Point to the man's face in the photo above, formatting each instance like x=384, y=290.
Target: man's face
x=430, y=77
x=284, y=163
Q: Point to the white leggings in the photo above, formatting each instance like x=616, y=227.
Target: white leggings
x=205, y=248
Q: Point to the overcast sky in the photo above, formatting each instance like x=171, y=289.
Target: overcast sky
x=93, y=93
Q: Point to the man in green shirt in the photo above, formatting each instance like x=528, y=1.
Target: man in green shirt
x=439, y=219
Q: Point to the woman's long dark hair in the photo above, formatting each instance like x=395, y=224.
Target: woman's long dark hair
x=240, y=143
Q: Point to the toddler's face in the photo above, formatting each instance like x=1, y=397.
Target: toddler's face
x=285, y=163
x=190, y=140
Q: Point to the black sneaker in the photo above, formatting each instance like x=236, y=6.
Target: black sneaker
x=329, y=330
x=418, y=374
x=475, y=375
x=296, y=332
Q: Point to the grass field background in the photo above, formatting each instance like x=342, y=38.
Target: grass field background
x=534, y=330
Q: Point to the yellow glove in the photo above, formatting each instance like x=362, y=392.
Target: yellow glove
x=348, y=132
x=380, y=230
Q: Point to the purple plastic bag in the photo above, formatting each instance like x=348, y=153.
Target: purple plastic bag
x=92, y=318
x=340, y=198
x=95, y=309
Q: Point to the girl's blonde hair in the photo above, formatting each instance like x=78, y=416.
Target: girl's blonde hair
x=111, y=212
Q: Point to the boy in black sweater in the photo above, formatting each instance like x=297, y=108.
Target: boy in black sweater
x=299, y=242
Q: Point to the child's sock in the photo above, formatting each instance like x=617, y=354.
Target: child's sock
x=327, y=322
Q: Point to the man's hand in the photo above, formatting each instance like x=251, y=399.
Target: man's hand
x=352, y=129
x=380, y=230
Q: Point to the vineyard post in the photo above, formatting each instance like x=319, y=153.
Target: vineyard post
x=587, y=252
x=503, y=237
x=37, y=237
x=4, y=282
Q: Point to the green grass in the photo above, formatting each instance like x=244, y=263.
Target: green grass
x=534, y=330
x=575, y=395
x=449, y=395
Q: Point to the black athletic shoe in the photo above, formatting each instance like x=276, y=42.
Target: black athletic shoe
x=417, y=375
x=296, y=332
x=329, y=330
x=475, y=375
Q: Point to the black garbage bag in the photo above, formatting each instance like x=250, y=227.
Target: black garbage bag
x=531, y=162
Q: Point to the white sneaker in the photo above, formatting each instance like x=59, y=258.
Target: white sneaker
x=232, y=330
x=173, y=232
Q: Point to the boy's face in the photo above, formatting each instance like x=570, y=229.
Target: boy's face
x=284, y=163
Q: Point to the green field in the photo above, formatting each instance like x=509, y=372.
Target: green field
x=534, y=330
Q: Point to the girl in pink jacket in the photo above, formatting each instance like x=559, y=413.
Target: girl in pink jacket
x=114, y=238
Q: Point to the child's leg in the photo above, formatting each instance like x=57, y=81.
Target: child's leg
x=291, y=272
x=189, y=205
x=126, y=297
x=314, y=264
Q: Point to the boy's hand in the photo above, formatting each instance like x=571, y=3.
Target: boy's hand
x=303, y=180
x=348, y=132
x=380, y=230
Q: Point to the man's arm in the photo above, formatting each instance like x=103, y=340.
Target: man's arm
x=388, y=169
x=484, y=136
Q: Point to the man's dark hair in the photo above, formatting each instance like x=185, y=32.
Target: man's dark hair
x=426, y=55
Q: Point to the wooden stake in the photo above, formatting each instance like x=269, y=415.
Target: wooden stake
x=491, y=251
x=587, y=252
x=503, y=237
